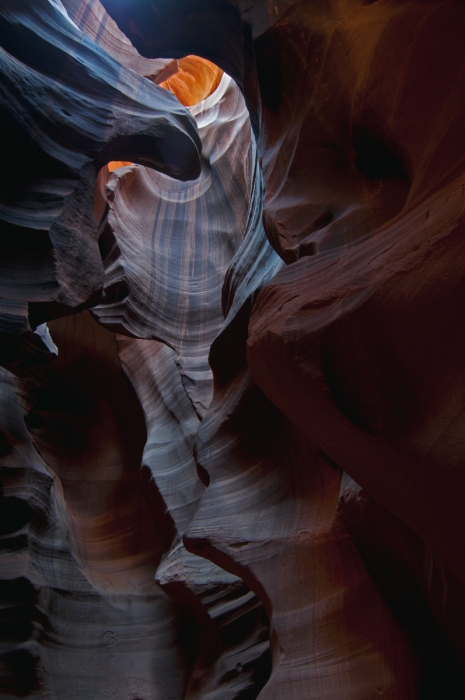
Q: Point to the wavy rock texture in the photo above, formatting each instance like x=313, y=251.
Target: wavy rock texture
x=278, y=528
x=55, y=624
x=94, y=22
x=167, y=245
x=67, y=108
x=97, y=549
x=242, y=475
x=115, y=428
x=358, y=341
x=84, y=535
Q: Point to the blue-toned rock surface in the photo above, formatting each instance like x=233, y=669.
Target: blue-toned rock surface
x=231, y=395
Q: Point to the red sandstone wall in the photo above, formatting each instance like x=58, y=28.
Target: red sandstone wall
x=234, y=469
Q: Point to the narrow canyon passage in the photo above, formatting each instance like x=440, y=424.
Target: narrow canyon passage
x=231, y=357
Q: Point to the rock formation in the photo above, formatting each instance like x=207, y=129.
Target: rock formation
x=231, y=392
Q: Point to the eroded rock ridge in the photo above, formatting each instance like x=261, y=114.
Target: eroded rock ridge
x=232, y=338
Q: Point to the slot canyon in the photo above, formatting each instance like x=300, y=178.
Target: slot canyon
x=232, y=350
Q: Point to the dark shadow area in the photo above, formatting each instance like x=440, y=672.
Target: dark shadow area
x=397, y=572
x=18, y=674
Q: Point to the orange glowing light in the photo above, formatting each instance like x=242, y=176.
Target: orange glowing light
x=115, y=164
x=195, y=80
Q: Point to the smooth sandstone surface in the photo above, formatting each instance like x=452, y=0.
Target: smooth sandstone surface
x=169, y=244
x=231, y=392
x=67, y=109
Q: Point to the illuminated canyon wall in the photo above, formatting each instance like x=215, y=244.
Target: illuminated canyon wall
x=231, y=344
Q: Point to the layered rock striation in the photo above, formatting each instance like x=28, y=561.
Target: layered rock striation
x=231, y=398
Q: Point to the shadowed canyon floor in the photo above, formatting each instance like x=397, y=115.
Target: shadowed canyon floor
x=232, y=335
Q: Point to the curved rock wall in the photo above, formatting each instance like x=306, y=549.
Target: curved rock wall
x=67, y=109
x=234, y=468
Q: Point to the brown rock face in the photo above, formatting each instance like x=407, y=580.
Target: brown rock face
x=233, y=469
